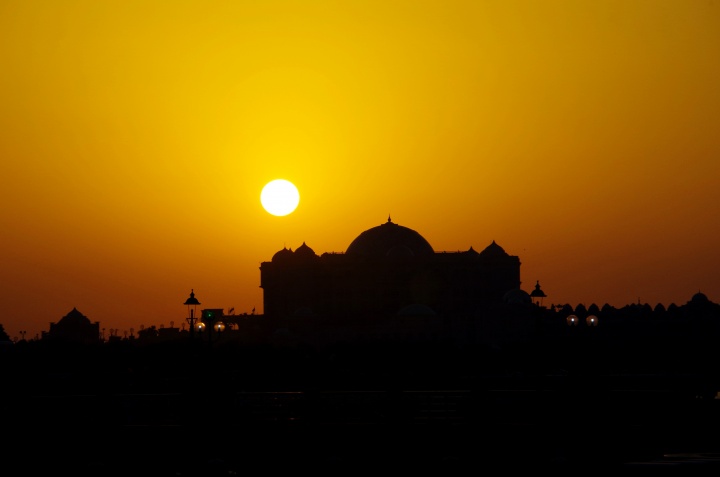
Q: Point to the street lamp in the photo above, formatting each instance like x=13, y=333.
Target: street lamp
x=209, y=319
x=537, y=294
x=192, y=304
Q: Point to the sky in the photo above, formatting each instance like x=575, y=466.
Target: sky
x=136, y=137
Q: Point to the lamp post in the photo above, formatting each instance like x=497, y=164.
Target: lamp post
x=192, y=304
x=200, y=327
x=537, y=294
x=212, y=323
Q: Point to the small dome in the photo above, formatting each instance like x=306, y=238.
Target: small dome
x=284, y=254
x=493, y=250
x=304, y=251
x=699, y=298
x=516, y=297
x=381, y=240
x=74, y=318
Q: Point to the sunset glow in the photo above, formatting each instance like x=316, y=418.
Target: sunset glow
x=135, y=137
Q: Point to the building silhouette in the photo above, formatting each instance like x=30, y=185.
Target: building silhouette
x=74, y=328
x=386, y=270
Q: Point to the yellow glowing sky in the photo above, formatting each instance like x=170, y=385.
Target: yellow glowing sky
x=136, y=136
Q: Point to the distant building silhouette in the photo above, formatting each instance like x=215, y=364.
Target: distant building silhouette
x=74, y=328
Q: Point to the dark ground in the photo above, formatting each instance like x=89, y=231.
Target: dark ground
x=175, y=413
x=449, y=431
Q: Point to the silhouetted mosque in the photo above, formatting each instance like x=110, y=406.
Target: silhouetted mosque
x=391, y=286
x=388, y=270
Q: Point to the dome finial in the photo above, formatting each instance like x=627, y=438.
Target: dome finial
x=389, y=219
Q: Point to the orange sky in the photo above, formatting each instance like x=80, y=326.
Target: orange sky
x=136, y=136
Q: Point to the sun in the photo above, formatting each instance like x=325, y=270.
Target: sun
x=280, y=197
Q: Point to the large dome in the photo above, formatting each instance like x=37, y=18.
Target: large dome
x=390, y=239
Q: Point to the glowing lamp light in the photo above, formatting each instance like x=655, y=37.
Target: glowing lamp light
x=591, y=320
x=199, y=326
x=219, y=326
x=572, y=320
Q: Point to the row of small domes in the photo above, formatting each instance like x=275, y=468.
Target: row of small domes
x=386, y=240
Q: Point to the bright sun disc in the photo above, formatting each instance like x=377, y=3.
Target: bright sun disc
x=280, y=197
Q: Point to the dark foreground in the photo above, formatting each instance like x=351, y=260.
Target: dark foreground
x=227, y=432
x=177, y=413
